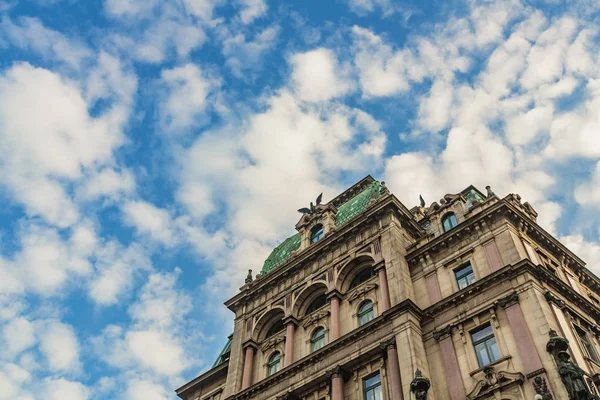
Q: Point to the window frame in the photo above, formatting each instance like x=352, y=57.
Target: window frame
x=446, y=217
x=485, y=340
x=316, y=233
x=373, y=387
x=314, y=339
x=465, y=276
x=360, y=313
x=274, y=366
x=586, y=345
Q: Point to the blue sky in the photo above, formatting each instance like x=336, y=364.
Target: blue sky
x=151, y=152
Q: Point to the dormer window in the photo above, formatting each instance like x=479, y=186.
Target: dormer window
x=316, y=233
x=449, y=222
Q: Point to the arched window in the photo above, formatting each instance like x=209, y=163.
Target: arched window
x=316, y=233
x=317, y=339
x=275, y=329
x=363, y=276
x=274, y=363
x=365, y=313
x=449, y=222
x=318, y=302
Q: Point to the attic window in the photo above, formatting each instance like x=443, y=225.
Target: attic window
x=316, y=233
x=449, y=222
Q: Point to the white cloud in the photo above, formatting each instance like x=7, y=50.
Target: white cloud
x=318, y=76
x=187, y=99
x=117, y=268
x=137, y=8
x=56, y=138
x=154, y=341
x=588, y=193
x=150, y=220
x=156, y=351
x=252, y=9
x=587, y=251
x=60, y=389
x=59, y=345
x=31, y=34
x=435, y=110
x=19, y=335
x=246, y=54
x=145, y=390
x=107, y=183
x=382, y=72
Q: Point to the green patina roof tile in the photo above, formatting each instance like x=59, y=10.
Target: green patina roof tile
x=345, y=213
x=224, y=355
x=358, y=203
x=281, y=253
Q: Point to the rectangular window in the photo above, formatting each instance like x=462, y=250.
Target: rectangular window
x=588, y=347
x=532, y=255
x=372, y=388
x=464, y=276
x=485, y=345
x=573, y=283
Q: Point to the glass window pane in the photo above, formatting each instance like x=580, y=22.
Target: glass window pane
x=494, y=351
x=377, y=393
x=482, y=354
x=482, y=333
x=372, y=381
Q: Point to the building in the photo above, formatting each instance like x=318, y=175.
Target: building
x=465, y=299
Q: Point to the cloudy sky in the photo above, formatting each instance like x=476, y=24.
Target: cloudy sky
x=152, y=151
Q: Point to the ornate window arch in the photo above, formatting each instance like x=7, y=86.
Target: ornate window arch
x=269, y=324
x=351, y=270
x=307, y=297
x=365, y=312
x=317, y=339
x=316, y=233
x=449, y=221
x=274, y=363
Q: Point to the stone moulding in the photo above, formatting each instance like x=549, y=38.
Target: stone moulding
x=493, y=382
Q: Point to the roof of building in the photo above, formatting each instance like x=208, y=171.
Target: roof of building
x=224, y=354
x=349, y=209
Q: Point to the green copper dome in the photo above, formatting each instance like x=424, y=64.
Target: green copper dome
x=346, y=211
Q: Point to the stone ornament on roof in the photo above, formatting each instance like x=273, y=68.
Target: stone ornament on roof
x=314, y=208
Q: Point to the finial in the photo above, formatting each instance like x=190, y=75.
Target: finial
x=490, y=193
x=422, y=201
x=249, y=277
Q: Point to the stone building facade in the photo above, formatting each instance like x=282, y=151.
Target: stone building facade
x=467, y=298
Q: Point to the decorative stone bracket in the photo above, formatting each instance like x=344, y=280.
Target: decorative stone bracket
x=509, y=300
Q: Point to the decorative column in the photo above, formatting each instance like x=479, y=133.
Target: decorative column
x=290, y=325
x=525, y=345
x=454, y=381
x=337, y=376
x=393, y=368
x=383, y=284
x=334, y=298
x=250, y=348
